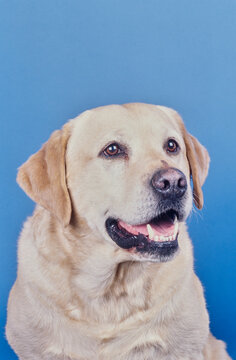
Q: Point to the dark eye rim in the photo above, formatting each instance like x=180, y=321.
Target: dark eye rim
x=177, y=148
x=122, y=151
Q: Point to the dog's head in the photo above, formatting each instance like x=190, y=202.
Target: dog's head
x=126, y=170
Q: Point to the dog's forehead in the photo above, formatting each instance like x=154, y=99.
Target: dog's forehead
x=129, y=121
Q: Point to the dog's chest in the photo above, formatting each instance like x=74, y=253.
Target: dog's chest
x=164, y=342
x=139, y=329
x=131, y=342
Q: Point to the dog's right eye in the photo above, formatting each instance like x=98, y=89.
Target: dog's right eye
x=113, y=150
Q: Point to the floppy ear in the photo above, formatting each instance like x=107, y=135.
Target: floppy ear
x=43, y=176
x=199, y=160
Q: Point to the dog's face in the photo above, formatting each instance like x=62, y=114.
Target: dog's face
x=128, y=175
x=125, y=167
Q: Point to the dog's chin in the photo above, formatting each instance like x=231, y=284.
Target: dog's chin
x=155, y=241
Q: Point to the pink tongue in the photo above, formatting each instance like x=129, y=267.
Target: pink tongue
x=164, y=228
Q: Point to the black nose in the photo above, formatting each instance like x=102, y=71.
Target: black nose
x=169, y=182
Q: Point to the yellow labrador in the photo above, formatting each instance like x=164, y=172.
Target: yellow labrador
x=105, y=264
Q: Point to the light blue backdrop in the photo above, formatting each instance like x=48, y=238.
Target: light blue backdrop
x=59, y=58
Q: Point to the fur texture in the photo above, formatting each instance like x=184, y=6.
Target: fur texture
x=78, y=296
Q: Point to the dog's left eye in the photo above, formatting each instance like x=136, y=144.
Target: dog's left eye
x=172, y=146
x=112, y=150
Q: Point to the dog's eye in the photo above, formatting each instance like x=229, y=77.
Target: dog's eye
x=172, y=146
x=112, y=150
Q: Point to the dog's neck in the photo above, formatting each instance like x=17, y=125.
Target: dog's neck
x=101, y=276
x=108, y=277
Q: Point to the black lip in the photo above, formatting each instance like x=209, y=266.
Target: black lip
x=140, y=243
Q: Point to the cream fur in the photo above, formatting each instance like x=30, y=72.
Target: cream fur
x=78, y=296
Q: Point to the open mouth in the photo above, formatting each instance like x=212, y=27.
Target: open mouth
x=158, y=237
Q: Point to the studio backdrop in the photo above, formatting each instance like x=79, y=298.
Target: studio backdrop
x=58, y=58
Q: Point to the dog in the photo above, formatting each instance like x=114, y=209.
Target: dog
x=105, y=264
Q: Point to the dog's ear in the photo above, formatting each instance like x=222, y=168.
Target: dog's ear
x=197, y=156
x=43, y=176
x=199, y=160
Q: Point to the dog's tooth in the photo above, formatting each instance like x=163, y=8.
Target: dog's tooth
x=176, y=229
x=156, y=238
x=162, y=238
x=150, y=232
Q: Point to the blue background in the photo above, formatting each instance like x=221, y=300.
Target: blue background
x=59, y=58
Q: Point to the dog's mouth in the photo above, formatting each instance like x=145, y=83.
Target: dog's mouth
x=157, y=238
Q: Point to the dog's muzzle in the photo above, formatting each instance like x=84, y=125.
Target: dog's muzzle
x=158, y=238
